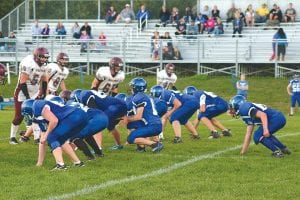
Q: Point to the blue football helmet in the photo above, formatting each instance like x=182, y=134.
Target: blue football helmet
x=26, y=110
x=138, y=85
x=190, y=90
x=57, y=99
x=156, y=91
x=235, y=103
x=75, y=95
x=121, y=96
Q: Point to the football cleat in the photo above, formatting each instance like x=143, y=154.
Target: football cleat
x=140, y=149
x=99, y=153
x=37, y=141
x=157, y=147
x=196, y=137
x=59, y=167
x=286, y=151
x=177, y=140
x=117, y=147
x=24, y=138
x=13, y=140
x=81, y=164
x=213, y=135
x=277, y=154
x=226, y=133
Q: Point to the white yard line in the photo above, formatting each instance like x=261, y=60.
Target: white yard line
x=164, y=170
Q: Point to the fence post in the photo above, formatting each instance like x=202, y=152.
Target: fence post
x=8, y=73
x=198, y=56
x=236, y=53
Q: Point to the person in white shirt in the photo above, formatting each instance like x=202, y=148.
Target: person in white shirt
x=167, y=77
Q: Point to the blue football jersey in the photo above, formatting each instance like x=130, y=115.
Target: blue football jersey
x=168, y=97
x=295, y=83
x=184, y=97
x=248, y=111
x=242, y=83
x=207, y=98
x=150, y=115
x=161, y=106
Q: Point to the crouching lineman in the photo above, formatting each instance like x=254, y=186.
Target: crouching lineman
x=145, y=111
x=269, y=121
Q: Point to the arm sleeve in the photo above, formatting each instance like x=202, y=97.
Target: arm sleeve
x=25, y=90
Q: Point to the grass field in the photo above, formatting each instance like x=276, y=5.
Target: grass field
x=203, y=169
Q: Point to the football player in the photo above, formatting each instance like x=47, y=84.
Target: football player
x=293, y=89
x=3, y=75
x=57, y=73
x=167, y=78
x=268, y=120
x=108, y=78
x=32, y=84
x=211, y=106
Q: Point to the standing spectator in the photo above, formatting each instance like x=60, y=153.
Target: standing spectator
x=219, y=28
x=167, y=77
x=242, y=86
x=174, y=18
x=155, y=37
x=268, y=120
x=32, y=84
x=110, y=15
x=156, y=50
x=126, y=15
x=290, y=14
x=262, y=14
x=181, y=27
x=231, y=13
x=142, y=15
x=2, y=43
x=11, y=45
x=215, y=12
x=250, y=16
x=87, y=28
x=279, y=41
x=45, y=31
x=210, y=25
x=60, y=30
x=36, y=30
x=188, y=14
x=205, y=12
x=237, y=24
x=293, y=89
x=76, y=30
x=164, y=15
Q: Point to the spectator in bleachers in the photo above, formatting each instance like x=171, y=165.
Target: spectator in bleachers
x=279, y=40
x=174, y=17
x=45, y=31
x=237, y=24
x=142, y=15
x=11, y=45
x=262, y=14
x=155, y=37
x=249, y=18
x=219, y=28
x=290, y=14
x=76, y=30
x=168, y=39
x=102, y=39
x=177, y=54
x=215, y=12
x=231, y=13
x=210, y=25
x=110, y=15
x=36, y=30
x=200, y=20
x=168, y=53
x=188, y=14
x=87, y=28
x=126, y=15
x=164, y=15
x=242, y=15
x=156, y=50
x=60, y=30
x=2, y=43
x=192, y=30
x=275, y=16
x=181, y=27
x=205, y=12
x=84, y=41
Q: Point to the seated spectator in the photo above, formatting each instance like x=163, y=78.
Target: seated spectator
x=168, y=38
x=102, y=40
x=2, y=43
x=219, y=28
x=155, y=37
x=215, y=12
x=76, y=30
x=174, y=17
x=188, y=14
x=250, y=14
x=11, y=45
x=87, y=28
x=45, y=31
x=205, y=12
x=177, y=54
x=200, y=20
x=262, y=14
x=192, y=30
x=237, y=24
x=156, y=50
x=126, y=15
x=242, y=15
x=168, y=53
x=60, y=30
x=84, y=42
x=210, y=25
x=231, y=13
x=290, y=14
x=142, y=15
x=36, y=30
x=275, y=16
x=181, y=27
x=164, y=15
x=110, y=15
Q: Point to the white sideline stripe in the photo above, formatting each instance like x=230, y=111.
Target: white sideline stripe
x=92, y=189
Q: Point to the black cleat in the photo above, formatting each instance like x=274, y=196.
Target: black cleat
x=214, y=134
x=196, y=137
x=99, y=153
x=286, y=151
x=277, y=154
x=13, y=140
x=59, y=167
x=81, y=164
x=37, y=141
x=22, y=133
x=140, y=149
x=177, y=140
x=24, y=139
x=157, y=147
x=226, y=133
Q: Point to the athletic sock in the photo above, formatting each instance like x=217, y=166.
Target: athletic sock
x=267, y=142
x=83, y=147
x=91, y=141
x=277, y=143
x=13, y=130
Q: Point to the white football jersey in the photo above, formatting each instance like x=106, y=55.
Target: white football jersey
x=35, y=73
x=56, y=75
x=108, y=82
x=164, y=80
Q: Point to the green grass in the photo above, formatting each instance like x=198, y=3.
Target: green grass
x=224, y=176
